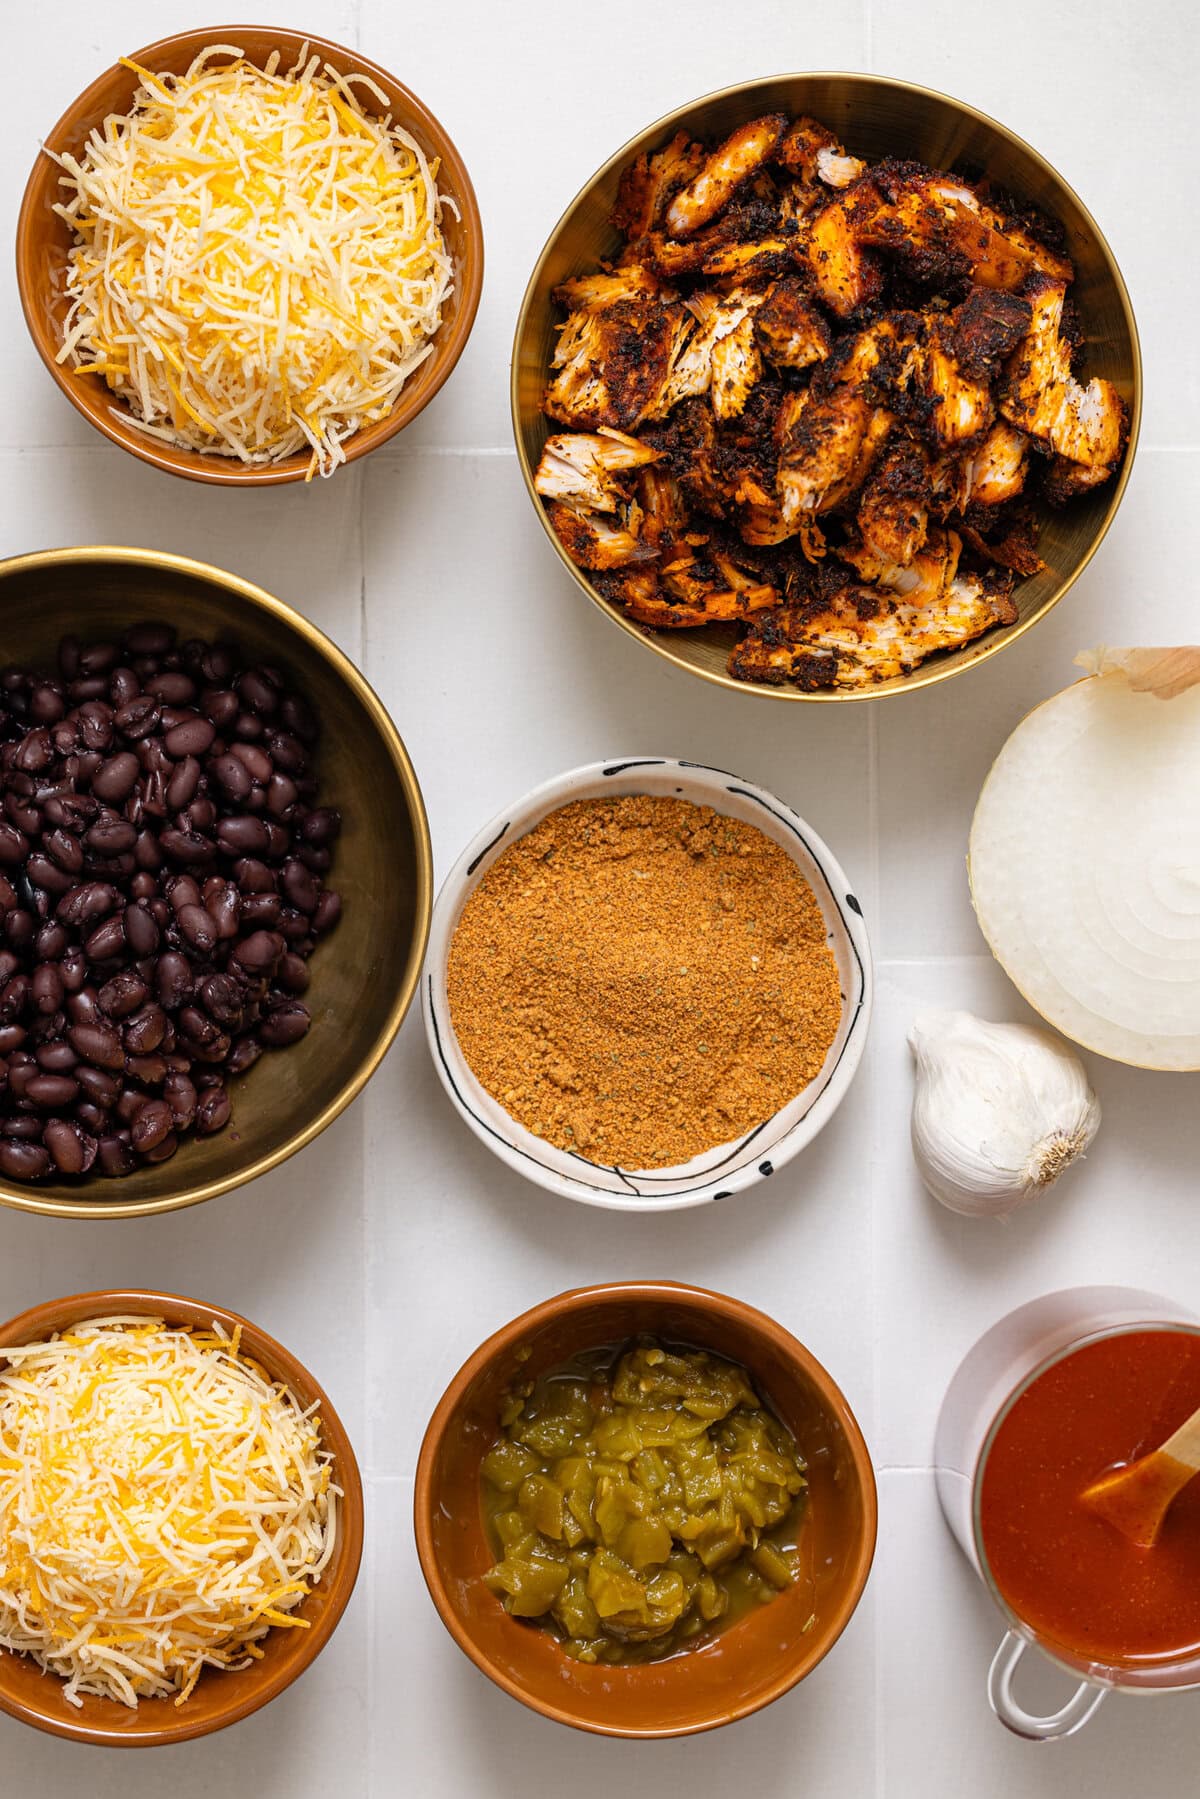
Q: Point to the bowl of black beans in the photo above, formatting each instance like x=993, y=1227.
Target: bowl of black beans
x=215, y=882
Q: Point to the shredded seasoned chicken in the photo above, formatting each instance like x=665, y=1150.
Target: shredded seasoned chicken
x=816, y=402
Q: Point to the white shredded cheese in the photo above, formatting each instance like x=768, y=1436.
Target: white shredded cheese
x=162, y=1505
x=258, y=263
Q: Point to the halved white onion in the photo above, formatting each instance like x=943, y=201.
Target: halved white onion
x=1085, y=858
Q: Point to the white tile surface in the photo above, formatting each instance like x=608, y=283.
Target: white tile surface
x=396, y=1227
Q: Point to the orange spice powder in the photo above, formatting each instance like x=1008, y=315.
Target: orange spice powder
x=641, y=979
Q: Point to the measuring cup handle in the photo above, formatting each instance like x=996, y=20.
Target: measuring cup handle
x=1063, y=1723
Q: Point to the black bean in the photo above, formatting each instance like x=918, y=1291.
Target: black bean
x=212, y=1111
x=145, y=1031
x=96, y=725
x=68, y=1146
x=11, y=1037
x=64, y=849
x=172, y=688
x=52, y=1091
x=34, y=752
x=329, y=910
x=47, y=988
x=110, y=836
x=28, y=1161
x=95, y=658
x=232, y=775
x=260, y=910
x=20, y=928
x=56, y=1058
x=123, y=994
x=253, y=876
x=162, y=1152
x=186, y=848
x=172, y=979
x=100, y=1088
x=141, y=932
x=137, y=719
x=180, y=1095
x=292, y=973
x=181, y=891
x=281, y=795
x=224, y=906
x=98, y=1044
x=285, y=1024
x=73, y=969
x=181, y=788
x=123, y=686
x=260, y=951
x=222, y=997
x=241, y=835
x=192, y=737
x=321, y=826
x=151, y=1070
x=14, y=997
x=14, y=846
x=106, y=941
x=115, y=1155
x=198, y=928
x=50, y=942
x=116, y=778
x=299, y=885
x=243, y=1055
x=48, y=875
x=46, y=704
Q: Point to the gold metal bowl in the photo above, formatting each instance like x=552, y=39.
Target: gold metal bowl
x=875, y=117
x=365, y=973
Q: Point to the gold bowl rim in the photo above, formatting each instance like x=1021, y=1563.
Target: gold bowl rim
x=928, y=675
x=27, y=1199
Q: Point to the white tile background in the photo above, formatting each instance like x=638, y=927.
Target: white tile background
x=395, y=1243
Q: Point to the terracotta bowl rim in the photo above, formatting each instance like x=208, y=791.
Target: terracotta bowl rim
x=934, y=671
x=190, y=1193
x=38, y=1322
x=721, y=1306
x=449, y=343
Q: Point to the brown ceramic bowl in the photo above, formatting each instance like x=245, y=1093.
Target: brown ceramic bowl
x=220, y=1697
x=738, y=1671
x=43, y=243
x=364, y=974
x=875, y=117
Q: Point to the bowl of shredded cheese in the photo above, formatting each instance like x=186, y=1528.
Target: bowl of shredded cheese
x=181, y=1518
x=249, y=261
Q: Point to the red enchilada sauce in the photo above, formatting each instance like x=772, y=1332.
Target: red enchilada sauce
x=1065, y=1571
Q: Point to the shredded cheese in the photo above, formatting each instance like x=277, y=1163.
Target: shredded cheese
x=258, y=263
x=163, y=1504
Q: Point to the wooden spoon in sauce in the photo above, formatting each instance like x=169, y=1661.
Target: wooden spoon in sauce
x=1136, y=1496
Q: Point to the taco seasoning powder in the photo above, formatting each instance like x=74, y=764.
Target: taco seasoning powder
x=641, y=979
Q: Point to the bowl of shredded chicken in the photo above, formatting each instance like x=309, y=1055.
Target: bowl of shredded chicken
x=169, y=1509
x=826, y=387
x=258, y=260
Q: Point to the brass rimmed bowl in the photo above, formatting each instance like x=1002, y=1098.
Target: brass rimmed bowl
x=875, y=117
x=44, y=242
x=222, y=1696
x=364, y=974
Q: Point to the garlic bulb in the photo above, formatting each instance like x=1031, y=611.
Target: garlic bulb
x=1000, y=1110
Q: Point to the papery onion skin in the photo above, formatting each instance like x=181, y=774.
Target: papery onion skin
x=1084, y=859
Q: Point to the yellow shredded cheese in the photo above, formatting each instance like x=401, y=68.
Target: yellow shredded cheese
x=163, y=1505
x=258, y=263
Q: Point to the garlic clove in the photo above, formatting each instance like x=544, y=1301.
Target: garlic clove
x=1000, y=1111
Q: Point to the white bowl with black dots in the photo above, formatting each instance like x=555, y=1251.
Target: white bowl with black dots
x=718, y=1173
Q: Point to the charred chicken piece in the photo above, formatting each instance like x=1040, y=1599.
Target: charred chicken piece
x=584, y=468
x=845, y=276
x=987, y=327
x=741, y=155
x=860, y=636
x=1086, y=427
x=612, y=362
x=789, y=330
x=810, y=151
x=648, y=183
x=596, y=540
x=941, y=230
x=893, y=513
x=827, y=442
